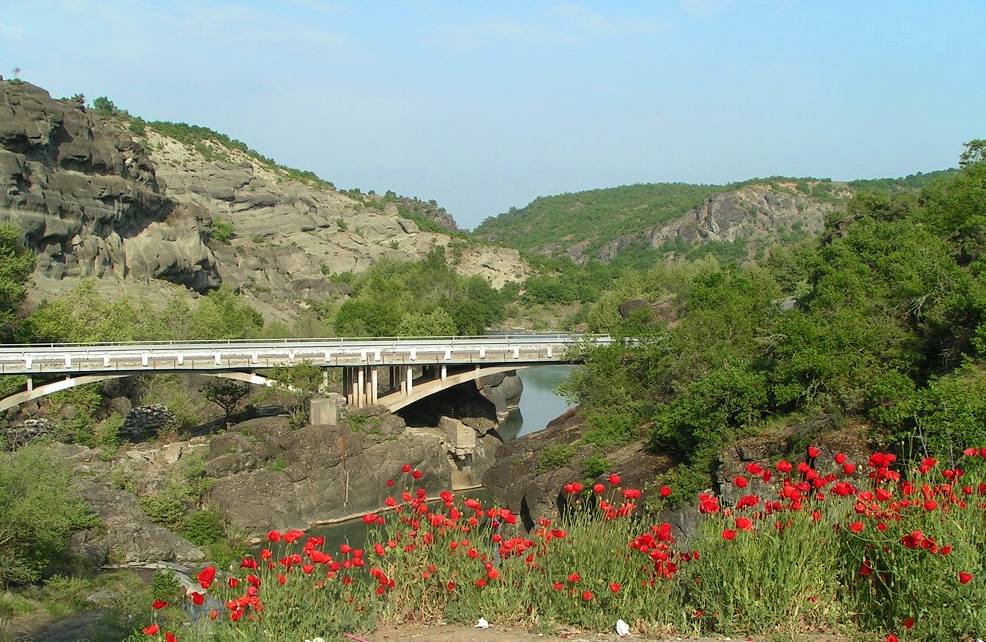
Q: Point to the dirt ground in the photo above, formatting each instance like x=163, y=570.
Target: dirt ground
x=455, y=633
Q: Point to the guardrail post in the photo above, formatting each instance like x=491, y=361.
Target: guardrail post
x=444, y=372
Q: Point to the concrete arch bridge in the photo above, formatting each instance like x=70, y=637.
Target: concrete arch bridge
x=392, y=372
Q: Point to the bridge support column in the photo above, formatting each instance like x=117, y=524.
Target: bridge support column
x=409, y=378
x=444, y=372
x=361, y=387
x=373, y=386
x=30, y=384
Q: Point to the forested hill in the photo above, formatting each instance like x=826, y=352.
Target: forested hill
x=732, y=221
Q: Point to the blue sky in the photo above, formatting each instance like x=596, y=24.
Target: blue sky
x=486, y=105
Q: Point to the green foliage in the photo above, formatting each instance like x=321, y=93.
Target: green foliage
x=887, y=308
x=203, y=527
x=555, y=456
x=595, y=465
x=221, y=230
x=435, y=323
x=418, y=295
x=138, y=126
x=225, y=393
x=40, y=509
x=16, y=264
x=104, y=106
x=165, y=586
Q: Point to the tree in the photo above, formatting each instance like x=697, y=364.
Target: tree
x=104, y=106
x=975, y=152
x=226, y=394
x=16, y=264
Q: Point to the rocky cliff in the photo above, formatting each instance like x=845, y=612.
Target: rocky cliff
x=88, y=200
x=96, y=196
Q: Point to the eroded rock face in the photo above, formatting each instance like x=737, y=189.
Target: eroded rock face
x=758, y=214
x=124, y=535
x=271, y=476
x=87, y=199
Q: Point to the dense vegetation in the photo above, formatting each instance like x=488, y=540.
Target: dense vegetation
x=420, y=298
x=881, y=322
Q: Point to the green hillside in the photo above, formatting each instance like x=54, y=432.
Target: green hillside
x=588, y=220
x=594, y=216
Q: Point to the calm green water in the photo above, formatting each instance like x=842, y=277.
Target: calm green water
x=540, y=402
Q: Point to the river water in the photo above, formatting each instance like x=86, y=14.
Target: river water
x=540, y=402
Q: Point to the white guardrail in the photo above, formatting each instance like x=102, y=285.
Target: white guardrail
x=235, y=354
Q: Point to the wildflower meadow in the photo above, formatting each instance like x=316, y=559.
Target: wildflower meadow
x=873, y=550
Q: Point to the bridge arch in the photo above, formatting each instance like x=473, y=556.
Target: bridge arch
x=397, y=400
x=37, y=392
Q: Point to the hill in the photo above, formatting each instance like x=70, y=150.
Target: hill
x=143, y=207
x=738, y=219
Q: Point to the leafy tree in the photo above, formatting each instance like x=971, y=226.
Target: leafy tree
x=974, y=152
x=104, y=106
x=436, y=323
x=226, y=394
x=40, y=509
x=16, y=265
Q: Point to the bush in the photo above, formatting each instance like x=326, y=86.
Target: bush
x=203, y=527
x=40, y=509
x=555, y=456
x=221, y=230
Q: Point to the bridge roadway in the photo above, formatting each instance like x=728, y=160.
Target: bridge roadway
x=360, y=358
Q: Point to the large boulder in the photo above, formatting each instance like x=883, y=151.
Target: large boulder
x=280, y=478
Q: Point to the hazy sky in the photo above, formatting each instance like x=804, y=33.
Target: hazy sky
x=485, y=105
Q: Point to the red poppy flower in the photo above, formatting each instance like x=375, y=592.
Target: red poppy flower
x=197, y=598
x=206, y=576
x=614, y=479
x=480, y=583
x=587, y=596
x=728, y=534
x=891, y=637
x=840, y=458
x=417, y=474
x=665, y=491
x=598, y=489
x=783, y=466
x=159, y=604
x=741, y=482
x=557, y=585
x=170, y=637
x=614, y=587
x=406, y=468
x=856, y=527
x=273, y=536
x=151, y=629
x=909, y=623
x=744, y=523
x=965, y=577
x=813, y=452
x=574, y=577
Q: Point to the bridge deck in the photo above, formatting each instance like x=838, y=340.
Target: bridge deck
x=68, y=359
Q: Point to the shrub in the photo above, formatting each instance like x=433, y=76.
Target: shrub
x=40, y=509
x=221, y=230
x=203, y=527
x=555, y=456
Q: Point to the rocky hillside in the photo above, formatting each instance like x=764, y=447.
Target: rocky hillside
x=737, y=219
x=144, y=208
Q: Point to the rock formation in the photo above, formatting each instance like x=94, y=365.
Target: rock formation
x=87, y=198
x=95, y=199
